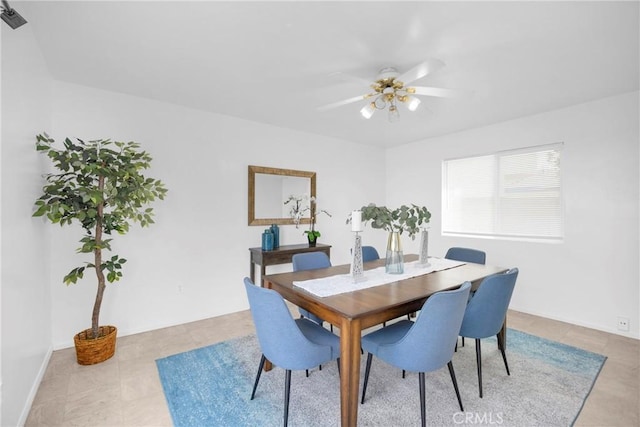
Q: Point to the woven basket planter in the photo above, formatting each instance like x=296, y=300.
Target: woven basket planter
x=92, y=351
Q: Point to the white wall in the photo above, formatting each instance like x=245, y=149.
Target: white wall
x=592, y=277
x=26, y=305
x=200, y=240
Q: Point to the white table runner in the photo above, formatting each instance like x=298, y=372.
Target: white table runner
x=343, y=283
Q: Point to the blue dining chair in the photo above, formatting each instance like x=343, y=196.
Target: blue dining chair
x=310, y=261
x=466, y=255
x=486, y=312
x=424, y=345
x=369, y=253
x=287, y=343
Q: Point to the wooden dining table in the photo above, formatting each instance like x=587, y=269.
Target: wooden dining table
x=352, y=312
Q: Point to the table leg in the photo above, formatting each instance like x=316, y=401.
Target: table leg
x=350, y=331
x=263, y=272
x=252, y=271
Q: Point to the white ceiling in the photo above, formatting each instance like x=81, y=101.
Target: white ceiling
x=271, y=62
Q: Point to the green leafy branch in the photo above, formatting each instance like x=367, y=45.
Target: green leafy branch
x=405, y=218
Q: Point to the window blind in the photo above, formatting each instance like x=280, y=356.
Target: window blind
x=515, y=193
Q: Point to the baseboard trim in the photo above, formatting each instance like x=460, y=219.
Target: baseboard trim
x=34, y=387
x=573, y=322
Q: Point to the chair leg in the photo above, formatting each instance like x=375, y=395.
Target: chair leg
x=366, y=376
x=403, y=374
x=287, y=392
x=455, y=384
x=255, y=384
x=307, y=371
x=479, y=362
x=423, y=409
x=338, y=362
x=502, y=350
x=463, y=341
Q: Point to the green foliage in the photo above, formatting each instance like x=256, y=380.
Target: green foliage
x=405, y=218
x=100, y=185
x=74, y=193
x=113, y=266
x=312, y=235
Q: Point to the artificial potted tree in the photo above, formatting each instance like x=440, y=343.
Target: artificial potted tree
x=99, y=184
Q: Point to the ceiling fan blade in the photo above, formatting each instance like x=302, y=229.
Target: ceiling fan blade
x=435, y=91
x=420, y=70
x=345, y=102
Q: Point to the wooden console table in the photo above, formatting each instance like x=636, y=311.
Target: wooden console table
x=282, y=255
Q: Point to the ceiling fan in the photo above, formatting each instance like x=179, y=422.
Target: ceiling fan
x=392, y=88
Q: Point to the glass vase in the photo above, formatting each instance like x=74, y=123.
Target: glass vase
x=394, y=262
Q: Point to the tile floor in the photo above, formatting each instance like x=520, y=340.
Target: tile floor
x=126, y=390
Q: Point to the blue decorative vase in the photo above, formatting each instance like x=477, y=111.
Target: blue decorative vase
x=276, y=236
x=267, y=240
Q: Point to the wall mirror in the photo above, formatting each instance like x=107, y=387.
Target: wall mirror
x=269, y=188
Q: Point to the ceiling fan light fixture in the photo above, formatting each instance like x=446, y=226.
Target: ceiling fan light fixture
x=413, y=103
x=368, y=110
x=394, y=114
x=391, y=88
x=379, y=103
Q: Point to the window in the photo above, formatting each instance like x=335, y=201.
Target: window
x=511, y=194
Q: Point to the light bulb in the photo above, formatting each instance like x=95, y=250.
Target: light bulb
x=394, y=114
x=413, y=103
x=368, y=110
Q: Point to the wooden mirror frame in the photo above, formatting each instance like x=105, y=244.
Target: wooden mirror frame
x=253, y=170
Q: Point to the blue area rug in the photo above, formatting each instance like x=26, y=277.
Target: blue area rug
x=549, y=382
